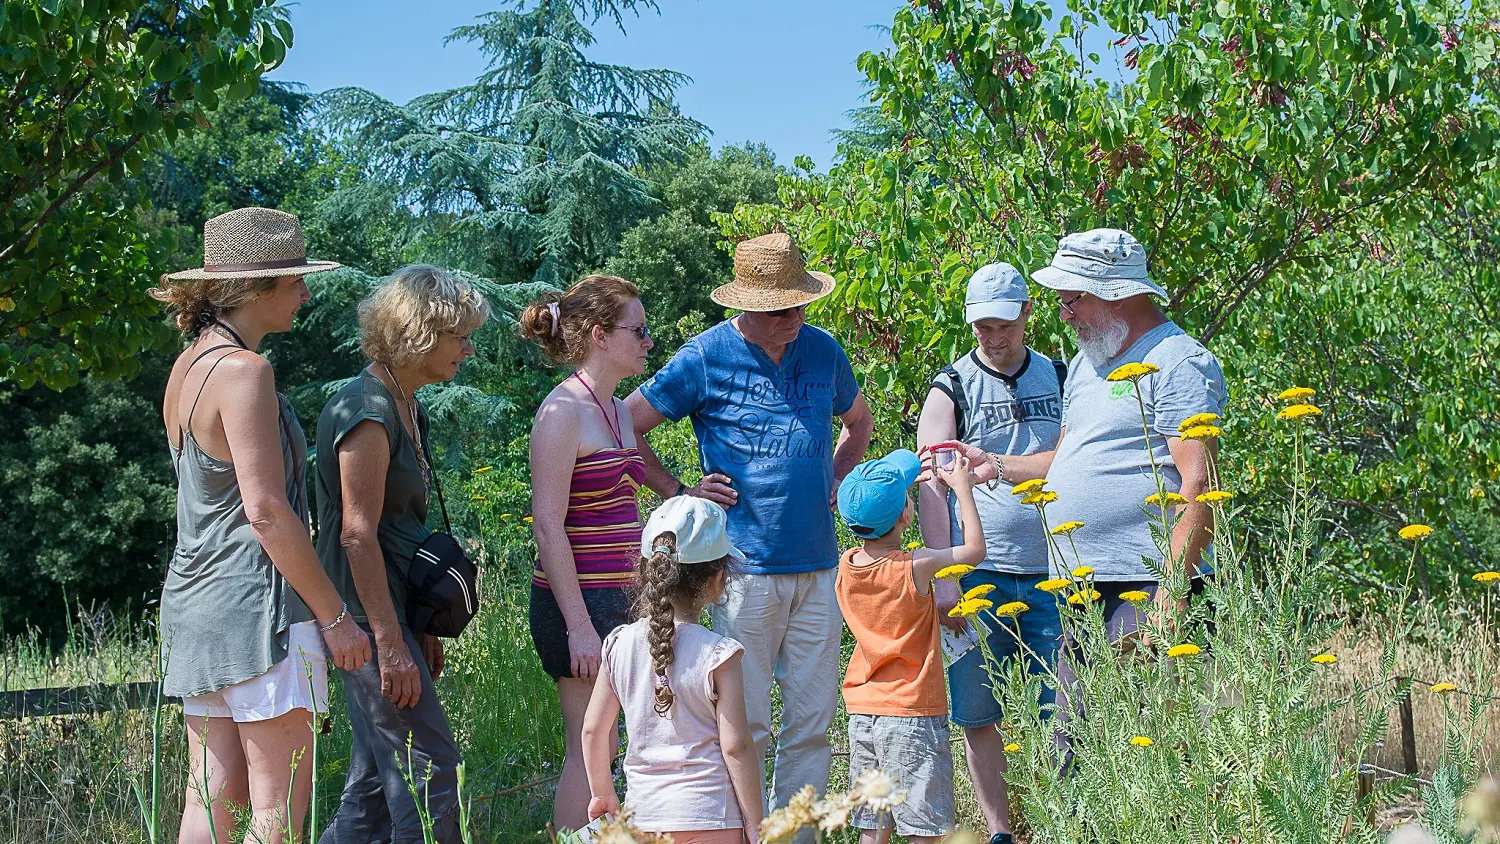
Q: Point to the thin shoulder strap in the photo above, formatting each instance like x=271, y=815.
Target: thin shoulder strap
x=437, y=485
x=194, y=409
x=960, y=399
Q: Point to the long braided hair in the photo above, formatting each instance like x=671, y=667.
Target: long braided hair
x=659, y=581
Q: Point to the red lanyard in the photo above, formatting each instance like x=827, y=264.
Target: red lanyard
x=614, y=427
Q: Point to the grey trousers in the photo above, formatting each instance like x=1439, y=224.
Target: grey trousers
x=377, y=805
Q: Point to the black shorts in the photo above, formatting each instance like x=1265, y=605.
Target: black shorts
x=608, y=609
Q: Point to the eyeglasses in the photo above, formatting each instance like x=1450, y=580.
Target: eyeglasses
x=643, y=332
x=781, y=312
x=1067, y=304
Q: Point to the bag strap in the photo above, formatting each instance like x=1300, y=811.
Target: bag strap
x=960, y=400
x=437, y=485
x=1061, y=368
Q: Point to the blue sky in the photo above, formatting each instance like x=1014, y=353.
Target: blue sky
x=783, y=73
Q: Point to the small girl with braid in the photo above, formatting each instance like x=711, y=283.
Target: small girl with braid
x=690, y=766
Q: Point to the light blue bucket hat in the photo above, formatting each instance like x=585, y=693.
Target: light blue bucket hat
x=1107, y=263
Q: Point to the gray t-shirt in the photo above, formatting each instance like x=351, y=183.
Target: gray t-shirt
x=1101, y=473
x=1005, y=414
x=403, y=519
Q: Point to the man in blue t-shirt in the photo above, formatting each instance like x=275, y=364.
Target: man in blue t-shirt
x=763, y=389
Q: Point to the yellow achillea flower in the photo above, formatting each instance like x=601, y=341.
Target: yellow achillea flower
x=1054, y=584
x=482, y=469
x=1324, y=659
x=1045, y=496
x=1184, y=649
x=912, y=546
x=1442, y=688
x=1173, y=499
x=1296, y=394
x=1198, y=419
x=1132, y=372
x=970, y=606
x=1214, y=496
x=1297, y=411
x=979, y=591
x=1203, y=432
x=1013, y=748
x=1487, y=577
x=1077, y=598
x=1415, y=532
x=1012, y=609
x=477, y=498
x=1083, y=571
x=504, y=515
x=1025, y=487
x=1066, y=527
x=953, y=573
x=1142, y=741
x=527, y=520
x=1135, y=596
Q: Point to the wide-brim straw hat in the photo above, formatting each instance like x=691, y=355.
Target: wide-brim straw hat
x=253, y=243
x=769, y=275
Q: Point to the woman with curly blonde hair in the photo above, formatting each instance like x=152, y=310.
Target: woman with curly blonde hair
x=374, y=478
x=246, y=611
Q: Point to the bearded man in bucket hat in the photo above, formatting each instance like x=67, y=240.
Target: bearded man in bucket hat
x=1101, y=472
x=763, y=389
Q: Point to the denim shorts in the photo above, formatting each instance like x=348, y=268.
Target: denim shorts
x=974, y=703
x=916, y=752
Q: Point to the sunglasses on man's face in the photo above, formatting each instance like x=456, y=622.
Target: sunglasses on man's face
x=1067, y=304
x=781, y=312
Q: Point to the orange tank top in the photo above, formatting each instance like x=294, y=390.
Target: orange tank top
x=896, y=668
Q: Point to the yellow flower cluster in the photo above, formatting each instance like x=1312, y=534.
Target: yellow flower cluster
x=1132, y=372
x=1487, y=577
x=1078, y=598
x=1012, y=609
x=1184, y=649
x=1135, y=596
x=1214, y=496
x=1297, y=411
x=1083, y=571
x=1013, y=748
x=1414, y=532
x=953, y=573
x=1198, y=419
x=1442, y=688
x=1045, y=496
x=1203, y=432
x=1172, y=499
x=1027, y=487
x=1324, y=659
x=979, y=591
x=1054, y=584
x=1142, y=741
x=912, y=546
x=1066, y=528
x=970, y=607
x=1296, y=394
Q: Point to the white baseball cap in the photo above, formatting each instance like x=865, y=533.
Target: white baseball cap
x=996, y=291
x=698, y=525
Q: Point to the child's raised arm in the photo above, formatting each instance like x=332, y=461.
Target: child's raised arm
x=598, y=752
x=927, y=562
x=737, y=743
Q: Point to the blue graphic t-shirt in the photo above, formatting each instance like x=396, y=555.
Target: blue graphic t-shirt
x=768, y=428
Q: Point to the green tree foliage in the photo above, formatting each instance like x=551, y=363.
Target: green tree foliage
x=1282, y=162
x=527, y=173
x=88, y=494
x=87, y=91
x=679, y=256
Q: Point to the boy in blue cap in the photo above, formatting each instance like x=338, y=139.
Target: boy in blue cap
x=894, y=687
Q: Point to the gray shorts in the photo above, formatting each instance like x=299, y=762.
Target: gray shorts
x=916, y=753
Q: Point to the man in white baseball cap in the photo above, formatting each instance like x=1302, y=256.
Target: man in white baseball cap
x=1003, y=403
x=1100, y=472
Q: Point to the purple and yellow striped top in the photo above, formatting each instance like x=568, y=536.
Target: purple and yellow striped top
x=603, y=522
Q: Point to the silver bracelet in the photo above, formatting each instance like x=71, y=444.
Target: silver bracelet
x=343, y=614
x=999, y=470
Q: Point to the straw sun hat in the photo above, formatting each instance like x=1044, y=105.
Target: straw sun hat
x=253, y=243
x=769, y=275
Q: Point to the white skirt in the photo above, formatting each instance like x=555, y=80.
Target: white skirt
x=298, y=682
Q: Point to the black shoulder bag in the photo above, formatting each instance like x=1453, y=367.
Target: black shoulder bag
x=442, y=583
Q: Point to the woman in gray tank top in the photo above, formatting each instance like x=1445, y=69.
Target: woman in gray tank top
x=246, y=608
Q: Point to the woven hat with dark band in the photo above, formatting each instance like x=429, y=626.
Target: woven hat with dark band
x=254, y=243
x=769, y=275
